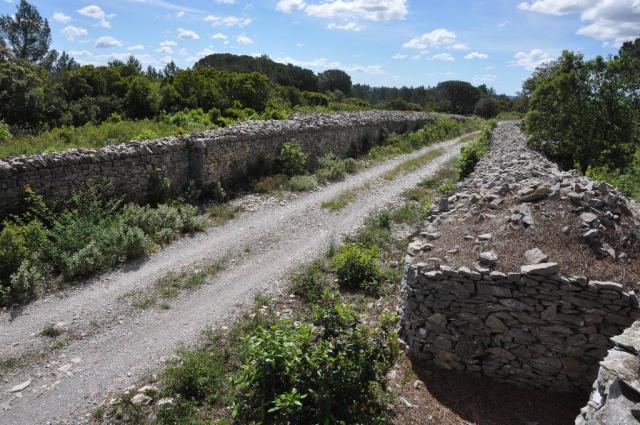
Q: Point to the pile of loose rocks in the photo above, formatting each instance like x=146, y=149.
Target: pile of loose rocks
x=530, y=325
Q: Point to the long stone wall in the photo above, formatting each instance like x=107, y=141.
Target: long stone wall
x=222, y=155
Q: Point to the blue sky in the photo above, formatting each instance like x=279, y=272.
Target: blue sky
x=379, y=42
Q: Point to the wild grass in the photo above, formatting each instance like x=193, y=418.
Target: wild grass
x=341, y=201
x=412, y=164
x=220, y=213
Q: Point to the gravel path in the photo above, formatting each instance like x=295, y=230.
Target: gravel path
x=115, y=345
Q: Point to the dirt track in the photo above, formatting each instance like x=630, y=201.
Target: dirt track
x=121, y=344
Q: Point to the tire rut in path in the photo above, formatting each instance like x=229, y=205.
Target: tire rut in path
x=133, y=344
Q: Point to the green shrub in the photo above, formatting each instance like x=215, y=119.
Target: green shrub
x=196, y=375
x=302, y=183
x=330, y=168
x=471, y=154
x=310, y=282
x=329, y=373
x=5, y=132
x=487, y=108
x=270, y=184
x=145, y=134
x=358, y=267
x=159, y=186
x=292, y=160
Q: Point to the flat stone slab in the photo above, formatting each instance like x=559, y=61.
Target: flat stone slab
x=541, y=269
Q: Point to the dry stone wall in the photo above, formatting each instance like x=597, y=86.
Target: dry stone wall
x=532, y=326
x=222, y=155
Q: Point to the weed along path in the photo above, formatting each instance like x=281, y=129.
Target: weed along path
x=107, y=344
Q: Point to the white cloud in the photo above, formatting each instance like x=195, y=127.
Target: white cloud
x=165, y=49
x=61, y=17
x=180, y=14
x=288, y=6
x=459, y=46
x=322, y=63
x=485, y=78
x=187, y=34
x=224, y=1
x=71, y=32
x=107, y=42
x=557, y=7
x=607, y=20
x=443, y=57
x=399, y=56
x=477, y=55
x=371, y=10
x=168, y=43
x=136, y=47
x=531, y=60
x=349, y=26
x=79, y=53
x=205, y=52
x=435, y=38
x=228, y=21
x=219, y=36
x=96, y=12
x=243, y=39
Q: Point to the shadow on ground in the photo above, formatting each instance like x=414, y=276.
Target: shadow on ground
x=450, y=397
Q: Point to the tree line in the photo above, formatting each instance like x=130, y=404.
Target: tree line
x=44, y=89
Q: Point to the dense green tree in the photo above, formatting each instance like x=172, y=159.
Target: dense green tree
x=26, y=34
x=23, y=94
x=487, y=107
x=142, y=100
x=334, y=79
x=585, y=113
x=287, y=75
x=460, y=97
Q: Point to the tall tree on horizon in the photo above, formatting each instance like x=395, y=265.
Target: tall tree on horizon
x=26, y=35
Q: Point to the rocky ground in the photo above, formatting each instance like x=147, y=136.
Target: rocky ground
x=527, y=211
x=107, y=344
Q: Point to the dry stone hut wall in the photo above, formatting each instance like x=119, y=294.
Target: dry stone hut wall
x=531, y=326
x=221, y=155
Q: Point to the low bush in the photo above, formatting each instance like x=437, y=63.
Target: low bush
x=358, y=267
x=330, y=372
x=5, y=132
x=292, y=160
x=330, y=168
x=198, y=376
x=270, y=184
x=310, y=282
x=302, y=183
x=85, y=235
x=471, y=154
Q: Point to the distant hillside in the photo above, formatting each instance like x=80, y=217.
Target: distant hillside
x=288, y=75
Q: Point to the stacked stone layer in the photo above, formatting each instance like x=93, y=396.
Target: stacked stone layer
x=532, y=326
x=222, y=155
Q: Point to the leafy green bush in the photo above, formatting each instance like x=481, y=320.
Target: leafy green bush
x=5, y=132
x=196, y=375
x=87, y=235
x=471, y=154
x=487, y=108
x=310, y=282
x=145, y=134
x=292, y=160
x=304, y=374
x=330, y=168
x=302, y=183
x=358, y=267
x=628, y=182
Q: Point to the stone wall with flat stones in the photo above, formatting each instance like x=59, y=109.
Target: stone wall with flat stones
x=535, y=328
x=223, y=155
